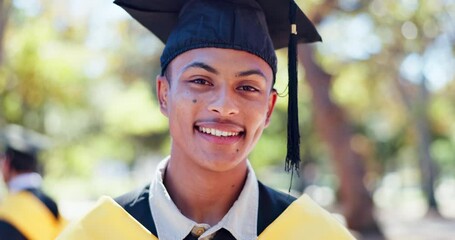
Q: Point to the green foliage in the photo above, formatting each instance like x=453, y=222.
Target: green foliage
x=93, y=103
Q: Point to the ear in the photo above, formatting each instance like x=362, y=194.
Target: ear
x=5, y=168
x=271, y=105
x=4, y=162
x=162, y=90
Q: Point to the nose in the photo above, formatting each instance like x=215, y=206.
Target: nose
x=224, y=103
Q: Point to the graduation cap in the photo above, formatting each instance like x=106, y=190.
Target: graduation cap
x=255, y=26
x=22, y=146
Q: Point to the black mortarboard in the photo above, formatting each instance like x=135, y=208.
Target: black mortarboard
x=22, y=146
x=255, y=26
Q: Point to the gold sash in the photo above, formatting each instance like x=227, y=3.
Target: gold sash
x=30, y=216
x=109, y=221
x=302, y=219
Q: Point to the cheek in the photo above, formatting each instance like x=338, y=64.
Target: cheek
x=184, y=96
x=184, y=106
x=179, y=98
x=256, y=121
x=258, y=111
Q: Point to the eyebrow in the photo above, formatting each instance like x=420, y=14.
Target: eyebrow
x=209, y=68
x=202, y=65
x=251, y=72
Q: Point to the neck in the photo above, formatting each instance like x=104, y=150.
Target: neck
x=24, y=180
x=200, y=194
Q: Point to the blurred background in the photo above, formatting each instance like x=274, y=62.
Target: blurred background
x=377, y=108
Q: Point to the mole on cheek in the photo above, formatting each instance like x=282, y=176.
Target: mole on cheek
x=194, y=101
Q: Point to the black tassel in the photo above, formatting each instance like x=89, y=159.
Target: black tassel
x=293, y=146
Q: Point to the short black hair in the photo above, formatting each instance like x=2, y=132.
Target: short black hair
x=21, y=161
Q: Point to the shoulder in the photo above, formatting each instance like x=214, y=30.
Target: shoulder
x=274, y=197
x=305, y=218
x=8, y=231
x=46, y=200
x=137, y=205
x=282, y=216
x=271, y=204
x=134, y=199
x=111, y=216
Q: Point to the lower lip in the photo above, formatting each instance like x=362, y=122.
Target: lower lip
x=219, y=140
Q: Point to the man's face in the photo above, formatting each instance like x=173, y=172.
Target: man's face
x=218, y=102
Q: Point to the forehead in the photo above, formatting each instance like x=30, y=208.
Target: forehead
x=223, y=60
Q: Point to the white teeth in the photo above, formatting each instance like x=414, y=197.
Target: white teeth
x=217, y=132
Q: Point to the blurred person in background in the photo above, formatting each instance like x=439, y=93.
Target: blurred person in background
x=26, y=212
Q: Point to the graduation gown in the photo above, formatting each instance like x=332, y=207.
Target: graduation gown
x=280, y=216
x=29, y=214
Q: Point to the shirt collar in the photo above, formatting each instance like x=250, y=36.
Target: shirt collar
x=240, y=221
x=25, y=181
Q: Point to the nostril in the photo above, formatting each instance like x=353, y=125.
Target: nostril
x=223, y=104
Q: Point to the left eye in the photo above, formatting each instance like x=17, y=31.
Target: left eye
x=200, y=81
x=248, y=88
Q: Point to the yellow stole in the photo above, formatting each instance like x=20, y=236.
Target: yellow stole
x=302, y=219
x=30, y=216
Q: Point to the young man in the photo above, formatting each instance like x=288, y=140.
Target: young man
x=216, y=88
x=27, y=212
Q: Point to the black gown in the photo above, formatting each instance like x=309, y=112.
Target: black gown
x=271, y=204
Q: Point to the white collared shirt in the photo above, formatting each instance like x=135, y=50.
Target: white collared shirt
x=171, y=224
x=25, y=181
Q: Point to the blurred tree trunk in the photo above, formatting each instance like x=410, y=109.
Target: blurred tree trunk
x=417, y=107
x=4, y=10
x=427, y=166
x=335, y=130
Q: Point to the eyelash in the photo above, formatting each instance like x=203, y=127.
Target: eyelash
x=200, y=81
x=246, y=88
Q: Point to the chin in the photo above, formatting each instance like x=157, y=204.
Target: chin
x=223, y=164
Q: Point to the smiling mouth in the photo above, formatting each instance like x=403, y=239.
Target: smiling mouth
x=218, y=133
